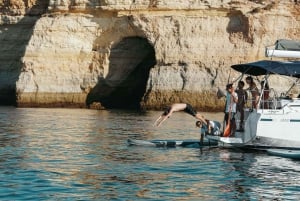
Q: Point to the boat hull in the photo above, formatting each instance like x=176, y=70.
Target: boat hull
x=273, y=128
x=260, y=142
x=267, y=143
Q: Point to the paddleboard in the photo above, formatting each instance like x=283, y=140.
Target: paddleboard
x=295, y=154
x=172, y=143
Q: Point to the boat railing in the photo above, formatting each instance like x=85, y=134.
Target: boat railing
x=270, y=102
x=275, y=102
x=269, y=99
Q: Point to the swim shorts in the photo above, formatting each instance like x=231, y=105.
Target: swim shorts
x=190, y=110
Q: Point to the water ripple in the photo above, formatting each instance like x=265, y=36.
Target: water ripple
x=70, y=154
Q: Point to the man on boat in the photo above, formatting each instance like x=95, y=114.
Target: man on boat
x=242, y=99
x=179, y=107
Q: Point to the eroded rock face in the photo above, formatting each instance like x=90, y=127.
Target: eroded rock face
x=148, y=53
x=125, y=83
x=66, y=58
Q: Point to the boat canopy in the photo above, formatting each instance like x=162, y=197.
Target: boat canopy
x=283, y=44
x=263, y=67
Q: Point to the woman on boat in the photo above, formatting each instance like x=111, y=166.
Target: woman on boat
x=179, y=107
x=254, y=92
x=265, y=94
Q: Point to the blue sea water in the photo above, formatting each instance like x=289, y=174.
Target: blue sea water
x=80, y=154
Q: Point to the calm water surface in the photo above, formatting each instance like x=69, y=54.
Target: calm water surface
x=78, y=154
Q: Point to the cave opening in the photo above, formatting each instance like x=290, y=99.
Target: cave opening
x=130, y=62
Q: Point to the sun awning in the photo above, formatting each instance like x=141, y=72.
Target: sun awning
x=264, y=67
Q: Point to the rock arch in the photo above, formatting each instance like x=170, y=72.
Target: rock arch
x=130, y=61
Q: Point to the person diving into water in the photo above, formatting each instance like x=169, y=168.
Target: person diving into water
x=179, y=107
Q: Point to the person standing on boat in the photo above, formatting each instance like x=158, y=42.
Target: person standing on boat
x=230, y=110
x=254, y=92
x=265, y=90
x=242, y=98
x=179, y=107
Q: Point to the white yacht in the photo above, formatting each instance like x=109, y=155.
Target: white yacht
x=276, y=123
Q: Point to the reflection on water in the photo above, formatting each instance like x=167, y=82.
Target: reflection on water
x=77, y=154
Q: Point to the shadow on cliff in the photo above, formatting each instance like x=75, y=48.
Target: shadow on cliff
x=14, y=38
x=130, y=62
x=239, y=28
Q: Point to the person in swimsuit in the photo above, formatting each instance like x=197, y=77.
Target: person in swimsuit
x=179, y=107
x=265, y=94
x=242, y=98
x=254, y=92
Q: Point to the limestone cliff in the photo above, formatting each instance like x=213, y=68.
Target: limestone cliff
x=127, y=53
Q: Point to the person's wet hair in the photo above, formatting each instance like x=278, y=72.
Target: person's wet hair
x=167, y=110
x=198, y=124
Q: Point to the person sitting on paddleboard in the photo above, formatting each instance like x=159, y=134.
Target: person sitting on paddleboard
x=179, y=107
x=230, y=110
x=213, y=127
